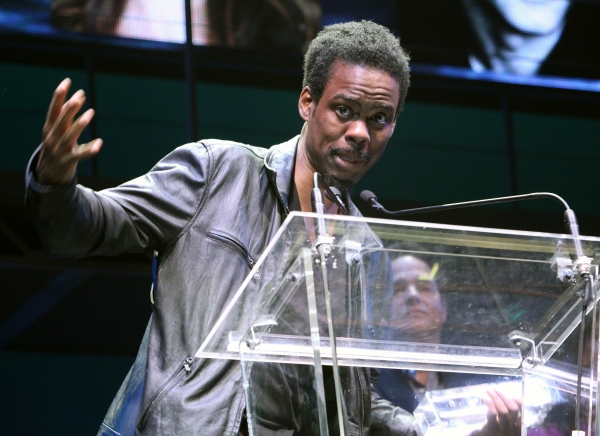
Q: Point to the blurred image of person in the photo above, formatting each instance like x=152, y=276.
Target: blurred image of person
x=260, y=24
x=525, y=37
x=418, y=308
x=418, y=315
x=514, y=36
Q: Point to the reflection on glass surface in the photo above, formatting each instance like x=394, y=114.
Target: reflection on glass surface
x=548, y=404
x=487, y=287
x=460, y=411
x=418, y=310
x=411, y=298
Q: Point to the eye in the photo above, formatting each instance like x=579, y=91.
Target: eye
x=400, y=286
x=343, y=111
x=424, y=286
x=379, y=118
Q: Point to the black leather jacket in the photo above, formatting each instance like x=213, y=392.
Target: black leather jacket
x=209, y=209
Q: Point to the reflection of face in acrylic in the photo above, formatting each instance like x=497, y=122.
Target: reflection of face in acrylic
x=515, y=36
x=418, y=310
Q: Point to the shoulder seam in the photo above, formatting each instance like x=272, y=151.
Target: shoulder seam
x=247, y=147
x=202, y=200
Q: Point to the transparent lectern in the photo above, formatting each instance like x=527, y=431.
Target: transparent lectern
x=499, y=308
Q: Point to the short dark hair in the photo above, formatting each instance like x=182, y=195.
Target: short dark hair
x=362, y=43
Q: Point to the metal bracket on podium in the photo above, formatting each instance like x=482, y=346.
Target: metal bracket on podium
x=527, y=346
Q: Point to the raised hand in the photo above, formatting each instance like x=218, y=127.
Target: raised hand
x=60, y=152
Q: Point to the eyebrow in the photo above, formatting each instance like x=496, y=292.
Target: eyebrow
x=359, y=103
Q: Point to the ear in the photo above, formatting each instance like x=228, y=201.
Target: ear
x=305, y=103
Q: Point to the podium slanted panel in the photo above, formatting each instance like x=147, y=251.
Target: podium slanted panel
x=485, y=302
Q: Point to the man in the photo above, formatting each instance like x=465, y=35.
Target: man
x=418, y=315
x=214, y=206
x=419, y=311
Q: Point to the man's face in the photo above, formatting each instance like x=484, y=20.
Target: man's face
x=348, y=129
x=532, y=16
x=417, y=305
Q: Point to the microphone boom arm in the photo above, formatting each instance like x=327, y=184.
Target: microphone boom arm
x=471, y=203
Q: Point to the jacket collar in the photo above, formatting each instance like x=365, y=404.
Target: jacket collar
x=279, y=162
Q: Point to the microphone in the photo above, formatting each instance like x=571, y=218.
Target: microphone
x=332, y=193
x=369, y=197
x=569, y=216
x=337, y=198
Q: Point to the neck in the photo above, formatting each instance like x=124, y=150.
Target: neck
x=304, y=176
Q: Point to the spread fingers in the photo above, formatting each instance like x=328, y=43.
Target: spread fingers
x=87, y=150
x=65, y=119
x=56, y=104
x=69, y=140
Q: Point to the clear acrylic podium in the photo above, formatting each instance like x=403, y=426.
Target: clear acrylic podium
x=493, y=305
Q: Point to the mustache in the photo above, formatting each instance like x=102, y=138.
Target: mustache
x=351, y=152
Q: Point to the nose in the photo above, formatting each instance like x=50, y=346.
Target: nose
x=358, y=133
x=411, y=294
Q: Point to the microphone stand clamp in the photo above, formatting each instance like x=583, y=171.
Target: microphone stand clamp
x=323, y=245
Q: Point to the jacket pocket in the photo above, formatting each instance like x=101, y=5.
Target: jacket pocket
x=167, y=387
x=231, y=242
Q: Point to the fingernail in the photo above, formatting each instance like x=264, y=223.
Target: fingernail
x=79, y=93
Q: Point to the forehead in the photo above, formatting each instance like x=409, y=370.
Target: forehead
x=409, y=268
x=362, y=82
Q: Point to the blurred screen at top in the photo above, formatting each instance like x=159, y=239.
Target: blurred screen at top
x=261, y=24
x=507, y=38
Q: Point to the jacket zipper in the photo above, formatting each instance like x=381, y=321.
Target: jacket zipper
x=187, y=364
x=233, y=243
x=184, y=369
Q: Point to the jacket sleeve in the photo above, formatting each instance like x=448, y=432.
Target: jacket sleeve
x=390, y=420
x=144, y=214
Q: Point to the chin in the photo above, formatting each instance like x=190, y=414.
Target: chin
x=344, y=186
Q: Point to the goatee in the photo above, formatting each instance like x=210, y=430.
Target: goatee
x=344, y=186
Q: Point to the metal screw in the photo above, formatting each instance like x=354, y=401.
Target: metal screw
x=252, y=343
x=568, y=274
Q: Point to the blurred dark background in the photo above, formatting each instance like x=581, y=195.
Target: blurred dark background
x=69, y=330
